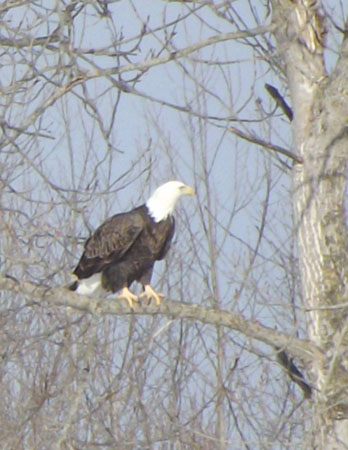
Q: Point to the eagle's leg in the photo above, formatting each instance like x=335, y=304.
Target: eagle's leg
x=129, y=296
x=149, y=293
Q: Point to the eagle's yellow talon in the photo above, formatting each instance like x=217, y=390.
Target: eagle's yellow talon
x=149, y=294
x=126, y=294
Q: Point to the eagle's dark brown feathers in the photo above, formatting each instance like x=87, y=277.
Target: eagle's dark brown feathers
x=131, y=242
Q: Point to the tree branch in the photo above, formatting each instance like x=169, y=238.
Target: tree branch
x=280, y=101
x=177, y=54
x=294, y=373
x=300, y=348
x=29, y=42
x=262, y=143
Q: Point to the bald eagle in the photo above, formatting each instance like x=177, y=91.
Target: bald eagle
x=125, y=247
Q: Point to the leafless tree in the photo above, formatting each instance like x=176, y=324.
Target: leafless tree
x=101, y=101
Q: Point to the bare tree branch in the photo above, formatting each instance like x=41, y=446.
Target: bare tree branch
x=300, y=348
x=280, y=101
x=262, y=143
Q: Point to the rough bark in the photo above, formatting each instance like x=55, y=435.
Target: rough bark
x=320, y=138
x=296, y=347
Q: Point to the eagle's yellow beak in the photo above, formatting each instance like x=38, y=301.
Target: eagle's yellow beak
x=188, y=190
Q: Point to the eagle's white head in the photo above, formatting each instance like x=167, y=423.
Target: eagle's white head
x=162, y=201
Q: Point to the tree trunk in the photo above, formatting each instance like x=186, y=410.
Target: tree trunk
x=320, y=137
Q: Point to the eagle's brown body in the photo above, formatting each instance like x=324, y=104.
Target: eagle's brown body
x=125, y=248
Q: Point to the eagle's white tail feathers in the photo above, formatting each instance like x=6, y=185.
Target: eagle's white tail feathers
x=91, y=285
